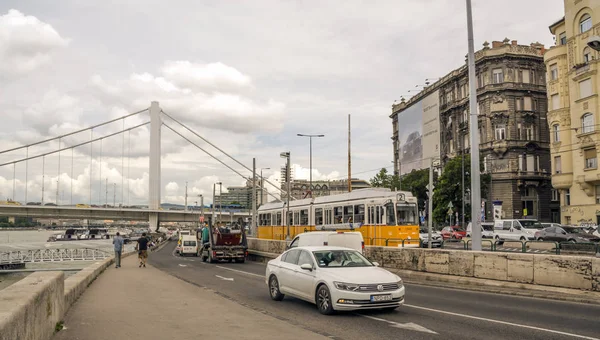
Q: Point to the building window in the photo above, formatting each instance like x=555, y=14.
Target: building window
x=531, y=162
x=465, y=141
x=568, y=197
x=529, y=132
x=465, y=116
x=556, y=132
x=585, y=88
x=527, y=104
x=555, y=196
x=500, y=132
x=557, y=165
x=585, y=24
x=497, y=76
x=555, y=99
x=587, y=123
x=597, y=194
x=587, y=55
x=518, y=104
x=562, y=38
x=591, y=162
x=553, y=72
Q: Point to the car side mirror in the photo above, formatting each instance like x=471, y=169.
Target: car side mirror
x=307, y=266
x=376, y=264
x=564, y=232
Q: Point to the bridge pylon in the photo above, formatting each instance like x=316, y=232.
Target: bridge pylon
x=155, y=153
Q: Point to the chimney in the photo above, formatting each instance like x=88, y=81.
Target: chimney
x=496, y=44
x=514, y=43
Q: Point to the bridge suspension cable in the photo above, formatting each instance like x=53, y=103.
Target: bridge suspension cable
x=74, y=132
x=226, y=154
x=76, y=145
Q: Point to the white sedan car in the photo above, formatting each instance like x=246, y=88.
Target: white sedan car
x=334, y=278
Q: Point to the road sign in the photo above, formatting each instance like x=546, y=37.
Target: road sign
x=450, y=205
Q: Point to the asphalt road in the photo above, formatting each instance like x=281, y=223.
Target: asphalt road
x=429, y=313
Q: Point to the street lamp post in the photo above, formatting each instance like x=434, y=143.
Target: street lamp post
x=310, y=137
x=286, y=155
x=201, y=206
x=220, y=200
x=262, y=189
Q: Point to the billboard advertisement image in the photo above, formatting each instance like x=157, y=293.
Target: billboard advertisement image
x=419, y=133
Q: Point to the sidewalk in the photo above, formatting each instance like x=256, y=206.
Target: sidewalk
x=145, y=303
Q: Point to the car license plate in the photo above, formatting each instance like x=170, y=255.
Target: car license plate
x=377, y=298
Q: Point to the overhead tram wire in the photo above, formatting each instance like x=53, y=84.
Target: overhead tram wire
x=74, y=132
x=76, y=145
x=211, y=155
x=226, y=154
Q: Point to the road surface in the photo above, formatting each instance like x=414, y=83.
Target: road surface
x=429, y=313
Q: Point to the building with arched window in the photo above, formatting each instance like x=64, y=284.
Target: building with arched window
x=573, y=85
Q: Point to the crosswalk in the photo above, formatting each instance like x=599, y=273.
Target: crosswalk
x=520, y=250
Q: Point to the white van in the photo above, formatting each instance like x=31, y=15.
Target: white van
x=353, y=240
x=487, y=230
x=189, y=245
x=514, y=230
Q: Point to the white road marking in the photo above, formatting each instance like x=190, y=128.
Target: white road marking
x=504, y=323
x=410, y=326
x=241, y=271
x=224, y=278
x=182, y=265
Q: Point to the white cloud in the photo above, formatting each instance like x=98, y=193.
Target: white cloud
x=26, y=43
x=178, y=93
x=212, y=76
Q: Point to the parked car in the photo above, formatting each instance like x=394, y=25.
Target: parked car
x=333, y=278
x=511, y=230
x=487, y=230
x=436, y=238
x=565, y=234
x=454, y=232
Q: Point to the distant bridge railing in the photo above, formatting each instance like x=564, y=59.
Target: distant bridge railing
x=53, y=255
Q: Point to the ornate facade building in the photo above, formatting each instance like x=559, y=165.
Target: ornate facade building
x=512, y=125
x=573, y=88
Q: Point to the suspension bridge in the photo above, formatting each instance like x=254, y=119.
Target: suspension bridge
x=96, y=207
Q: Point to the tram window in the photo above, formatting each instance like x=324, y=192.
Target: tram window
x=319, y=216
x=348, y=213
x=359, y=213
x=328, y=216
x=304, y=217
x=390, y=214
x=296, y=218
x=278, y=219
x=379, y=215
x=290, y=218
x=338, y=215
x=406, y=214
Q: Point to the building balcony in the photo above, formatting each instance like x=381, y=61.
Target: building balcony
x=512, y=86
x=555, y=52
x=562, y=180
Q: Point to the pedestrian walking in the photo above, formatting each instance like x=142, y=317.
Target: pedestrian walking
x=142, y=248
x=118, y=244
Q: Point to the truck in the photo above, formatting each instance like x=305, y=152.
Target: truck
x=227, y=243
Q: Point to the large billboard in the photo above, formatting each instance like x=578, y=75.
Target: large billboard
x=419, y=133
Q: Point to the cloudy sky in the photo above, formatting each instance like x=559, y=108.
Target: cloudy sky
x=246, y=75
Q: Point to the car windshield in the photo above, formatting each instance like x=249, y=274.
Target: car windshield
x=189, y=243
x=341, y=258
x=531, y=224
x=488, y=227
x=573, y=230
x=458, y=229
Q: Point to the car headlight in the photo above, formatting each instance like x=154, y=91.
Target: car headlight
x=346, y=286
x=400, y=283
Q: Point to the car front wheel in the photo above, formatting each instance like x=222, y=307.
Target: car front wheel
x=324, y=300
x=274, y=289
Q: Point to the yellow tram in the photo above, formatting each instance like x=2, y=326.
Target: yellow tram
x=384, y=217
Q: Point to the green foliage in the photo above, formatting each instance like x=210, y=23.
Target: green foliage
x=416, y=182
x=448, y=189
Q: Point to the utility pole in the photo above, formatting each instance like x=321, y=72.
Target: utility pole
x=463, y=182
x=57, y=181
x=430, y=204
x=106, y=196
x=202, y=206
x=289, y=186
x=186, y=205
x=220, y=200
x=114, y=194
x=349, y=159
x=253, y=225
x=474, y=138
x=214, y=204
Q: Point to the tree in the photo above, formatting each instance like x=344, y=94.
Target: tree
x=449, y=190
x=382, y=179
x=416, y=182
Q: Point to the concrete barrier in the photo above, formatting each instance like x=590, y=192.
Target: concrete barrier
x=31, y=308
x=579, y=272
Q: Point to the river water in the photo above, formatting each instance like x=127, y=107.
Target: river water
x=34, y=239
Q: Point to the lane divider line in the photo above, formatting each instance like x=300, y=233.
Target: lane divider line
x=241, y=271
x=503, y=322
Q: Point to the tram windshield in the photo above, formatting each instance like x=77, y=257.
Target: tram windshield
x=407, y=214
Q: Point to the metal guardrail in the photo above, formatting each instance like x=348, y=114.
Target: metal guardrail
x=556, y=245
x=586, y=247
x=492, y=244
x=454, y=240
x=53, y=255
